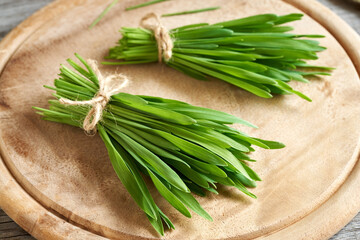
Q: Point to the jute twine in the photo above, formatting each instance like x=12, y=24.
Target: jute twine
x=163, y=39
x=108, y=86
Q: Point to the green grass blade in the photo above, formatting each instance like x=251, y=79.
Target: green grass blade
x=169, y=196
x=191, y=202
x=190, y=11
x=144, y=4
x=125, y=175
x=103, y=13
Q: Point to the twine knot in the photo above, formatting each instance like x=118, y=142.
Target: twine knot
x=163, y=39
x=108, y=86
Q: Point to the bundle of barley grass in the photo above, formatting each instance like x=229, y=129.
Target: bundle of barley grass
x=254, y=53
x=184, y=149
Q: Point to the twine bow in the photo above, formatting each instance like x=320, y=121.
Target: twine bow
x=108, y=86
x=163, y=39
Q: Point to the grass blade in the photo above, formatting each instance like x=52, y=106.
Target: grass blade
x=103, y=13
x=190, y=11
x=144, y=4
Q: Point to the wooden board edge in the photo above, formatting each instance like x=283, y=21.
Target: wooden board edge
x=343, y=205
x=13, y=40
x=32, y=216
x=330, y=217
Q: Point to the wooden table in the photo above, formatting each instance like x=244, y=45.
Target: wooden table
x=12, y=12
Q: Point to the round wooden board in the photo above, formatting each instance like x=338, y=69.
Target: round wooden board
x=58, y=183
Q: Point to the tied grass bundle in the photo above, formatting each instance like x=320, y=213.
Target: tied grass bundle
x=184, y=149
x=254, y=53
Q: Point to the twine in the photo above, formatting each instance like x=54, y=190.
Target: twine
x=163, y=39
x=108, y=86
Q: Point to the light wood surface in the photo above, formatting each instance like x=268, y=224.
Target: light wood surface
x=74, y=187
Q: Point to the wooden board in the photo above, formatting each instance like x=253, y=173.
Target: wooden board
x=58, y=183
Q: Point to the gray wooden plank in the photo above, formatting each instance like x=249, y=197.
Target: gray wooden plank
x=15, y=11
x=350, y=232
x=5, y=218
x=2, y=213
x=12, y=12
x=11, y=229
x=20, y=237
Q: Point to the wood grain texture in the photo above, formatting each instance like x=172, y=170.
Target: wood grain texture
x=55, y=70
